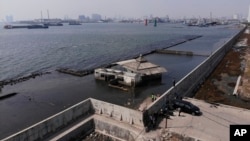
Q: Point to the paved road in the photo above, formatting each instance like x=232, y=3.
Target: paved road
x=213, y=125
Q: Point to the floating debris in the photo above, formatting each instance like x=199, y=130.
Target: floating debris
x=7, y=95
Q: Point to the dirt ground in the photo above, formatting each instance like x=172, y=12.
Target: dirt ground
x=244, y=89
x=220, y=85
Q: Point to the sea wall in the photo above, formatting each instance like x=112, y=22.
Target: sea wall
x=118, y=113
x=189, y=84
x=54, y=123
x=80, y=114
x=78, y=131
x=114, y=130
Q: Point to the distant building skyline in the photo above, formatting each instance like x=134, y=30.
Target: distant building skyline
x=96, y=17
x=178, y=9
x=9, y=18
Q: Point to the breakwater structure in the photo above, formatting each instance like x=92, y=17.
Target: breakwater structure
x=118, y=122
x=7, y=95
x=188, y=53
x=21, y=79
x=79, y=73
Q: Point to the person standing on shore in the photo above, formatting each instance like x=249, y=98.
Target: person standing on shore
x=174, y=82
x=166, y=121
x=153, y=97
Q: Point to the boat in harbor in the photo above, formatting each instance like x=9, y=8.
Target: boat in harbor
x=14, y=26
x=7, y=27
x=35, y=26
x=54, y=24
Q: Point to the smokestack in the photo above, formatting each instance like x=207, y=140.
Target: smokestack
x=41, y=16
x=248, y=19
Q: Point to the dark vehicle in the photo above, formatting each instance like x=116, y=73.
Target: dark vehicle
x=186, y=107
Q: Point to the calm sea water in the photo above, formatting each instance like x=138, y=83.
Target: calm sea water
x=24, y=51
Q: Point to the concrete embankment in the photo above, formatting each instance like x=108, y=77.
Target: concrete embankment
x=188, y=85
x=54, y=123
x=82, y=119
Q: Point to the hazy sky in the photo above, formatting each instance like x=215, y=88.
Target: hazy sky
x=31, y=9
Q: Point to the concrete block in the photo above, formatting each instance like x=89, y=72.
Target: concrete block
x=100, y=111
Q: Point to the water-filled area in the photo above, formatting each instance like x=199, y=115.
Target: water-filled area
x=25, y=51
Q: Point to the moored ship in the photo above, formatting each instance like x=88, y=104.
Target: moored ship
x=34, y=26
x=15, y=26
x=37, y=26
x=54, y=24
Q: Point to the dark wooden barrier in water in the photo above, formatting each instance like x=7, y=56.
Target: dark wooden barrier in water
x=21, y=79
x=79, y=73
x=7, y=95
x=188, y=53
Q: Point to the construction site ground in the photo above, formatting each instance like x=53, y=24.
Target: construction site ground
x=219, y=87
x=212, y=125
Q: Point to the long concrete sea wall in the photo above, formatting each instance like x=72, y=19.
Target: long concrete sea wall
x=189, y=84
x=95, y=115
x=118, y=113
x=54, y=123
x=82, y=117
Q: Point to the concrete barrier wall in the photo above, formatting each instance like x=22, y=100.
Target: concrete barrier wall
x=116, y=112
x=87, y=108
x=114, y=130
x=193, y=80
x=53, y=123
x=85, y=129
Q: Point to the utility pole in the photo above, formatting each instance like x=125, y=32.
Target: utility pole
x=48, y=13
x=211, y=17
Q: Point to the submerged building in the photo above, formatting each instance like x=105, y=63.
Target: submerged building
x=130, y=72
